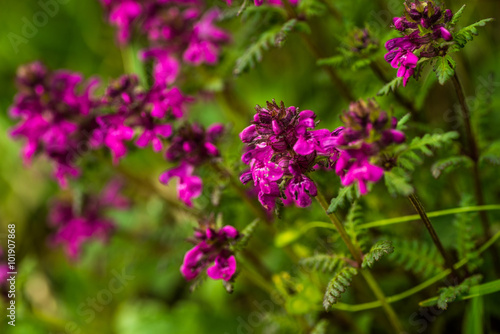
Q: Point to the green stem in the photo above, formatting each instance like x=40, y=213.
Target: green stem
x=393, y=318
x=251, y=202
x=416, y=289
x=358, y=256
x=425, y=219
x=356, y=253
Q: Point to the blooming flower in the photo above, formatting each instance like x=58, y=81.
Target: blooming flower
x=281, y=149
x=367, y=131
x=424, y=30
x=191, y=146
x=53, y=115
x=178, y=31
x=74, y=229
x=211, y=253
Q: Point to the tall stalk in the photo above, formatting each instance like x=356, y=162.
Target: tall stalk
x=423, y=215
x=358, y=256
x=474, y=154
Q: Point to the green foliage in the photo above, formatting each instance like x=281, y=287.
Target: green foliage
x=246, y=234
x=474, y=317
x=446, y=165
x=457, y=15
x=417, y=256
x=464, y=227
x=398, y=182
x=312, y=7
x=390, y=86
x=355, y=217
x=491, y=154
x=338, y=285
x=402, y=122
x=320, y=327
x=346, y=194
x=466, y=34
x=275, y=36
x=376, y=252
x=444, y=68
x=450, y=293
x=409, y=156
x=324, y=262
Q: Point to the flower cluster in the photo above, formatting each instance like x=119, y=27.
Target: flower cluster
x=133, y=108
x=54, y=116
x=367, y=131
x=190, y=147
x=74, y=227
x=424, y=27
x=212, y=253
x=61, y=119
x=281, y=149
x=176, y=31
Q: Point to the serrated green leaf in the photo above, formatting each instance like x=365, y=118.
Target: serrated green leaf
x=338, y=285
x=444, y=68
x=346, y=194
x=324, y=262
x=376, y=252
x=390, y=86
x=398, y=182
x=417, y=256
x=457, y=15
x=466, y=34
x=468, y=288
x=449, y=164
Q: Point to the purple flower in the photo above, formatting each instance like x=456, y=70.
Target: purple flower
x=54, y=115
x=189, y=185
x=367, y=132
x=212, y=253
x=122, y=16
x=73, y=230
x=424, y=29
x=112, y=133
x=281, y=149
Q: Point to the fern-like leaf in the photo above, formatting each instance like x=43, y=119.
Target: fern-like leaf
x=397, y=180
x=345, y=195
x=466, y=34
x=324, y=262
x=492, y=154
x=254, y=53
x=355, y=217
x=312, y=7
x=444, y=68
x=419, y=257
x=376, y=252
x=449, y=294
x=464, y=227
x=320, y=327
x=457, y=15
x=246, y=234
x=338, y=285
x=390, y=86
x=449, y=164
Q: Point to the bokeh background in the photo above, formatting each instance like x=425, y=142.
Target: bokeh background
x=55, y=294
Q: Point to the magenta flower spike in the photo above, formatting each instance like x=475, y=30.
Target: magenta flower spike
x=211, y=253
x=282, y=148
x=424, y=29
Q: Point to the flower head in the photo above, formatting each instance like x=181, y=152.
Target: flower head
x=282, y=148
x=367, y=131
x=74, y=228
x=212, y=252
x=425, y=29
